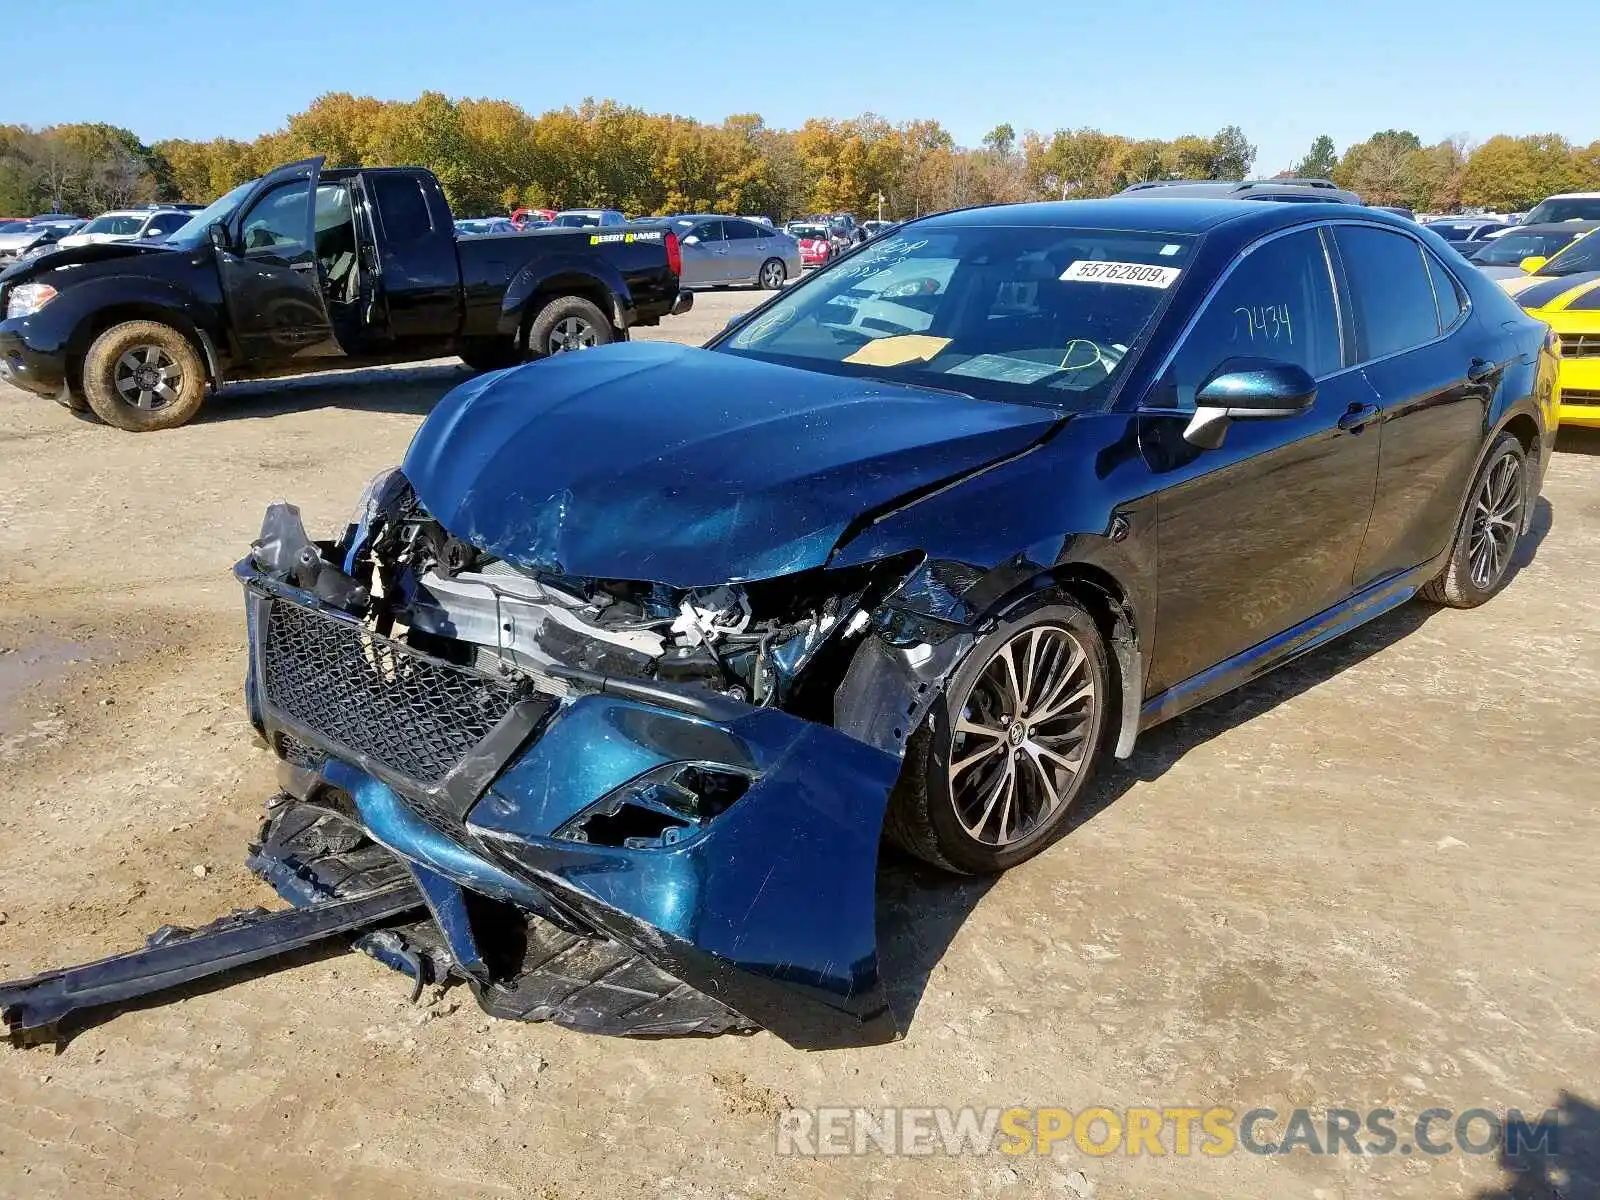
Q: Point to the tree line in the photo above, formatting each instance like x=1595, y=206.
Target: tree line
x=492, y=156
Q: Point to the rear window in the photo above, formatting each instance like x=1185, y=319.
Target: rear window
x=1389, y=289
x=1573, y=208
x=403, y=207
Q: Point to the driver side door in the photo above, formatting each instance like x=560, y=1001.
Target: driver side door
x=1261, y=533
x=269, y=275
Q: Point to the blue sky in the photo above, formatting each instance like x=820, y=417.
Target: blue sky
x=1284, y=70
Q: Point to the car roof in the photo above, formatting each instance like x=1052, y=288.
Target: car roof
x=1156, y=213
x=1572, y=196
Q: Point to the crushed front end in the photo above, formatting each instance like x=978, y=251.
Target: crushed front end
x=603, y=791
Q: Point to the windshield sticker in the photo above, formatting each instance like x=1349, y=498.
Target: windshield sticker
x=1134, y=274
x=1170, y=250
x=1004, y=368
x=602, y=239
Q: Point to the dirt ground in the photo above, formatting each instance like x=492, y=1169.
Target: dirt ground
x=1368, y=880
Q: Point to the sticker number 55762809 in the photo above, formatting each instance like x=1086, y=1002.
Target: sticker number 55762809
x=1136, y=274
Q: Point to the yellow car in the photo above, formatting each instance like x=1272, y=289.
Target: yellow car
x=1564, y=292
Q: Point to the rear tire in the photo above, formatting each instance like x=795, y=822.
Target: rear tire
x=986, y=761
x=773, y=275
x=142, y=376
x=1490, y=530
x=568, y=323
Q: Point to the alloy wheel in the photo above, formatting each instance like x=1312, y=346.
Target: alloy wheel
x=571, y=333
x=147, y=377
x=773, y=276
x=1022, y=737
x=1496, y=522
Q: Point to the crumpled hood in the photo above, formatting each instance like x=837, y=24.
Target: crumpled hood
x=689, y=467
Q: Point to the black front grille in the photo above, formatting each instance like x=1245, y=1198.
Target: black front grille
x=361, y=692
x=1580, y=395
x=1580, y=345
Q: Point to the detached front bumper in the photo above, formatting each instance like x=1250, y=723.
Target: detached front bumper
x=734, y=854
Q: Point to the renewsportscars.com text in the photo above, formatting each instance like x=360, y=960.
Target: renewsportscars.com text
x=1180, y=1130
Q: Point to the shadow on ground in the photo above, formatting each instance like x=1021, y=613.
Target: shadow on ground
x=921, y=909
x=414, y=389
x=1557, y=1158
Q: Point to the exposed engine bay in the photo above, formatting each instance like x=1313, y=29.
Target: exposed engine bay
x=409, y=577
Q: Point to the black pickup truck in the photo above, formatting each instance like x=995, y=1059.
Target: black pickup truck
x=305, y=270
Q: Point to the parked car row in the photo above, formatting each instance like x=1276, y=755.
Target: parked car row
x=21, y=236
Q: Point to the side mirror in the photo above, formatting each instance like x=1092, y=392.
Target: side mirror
x=218, y=236
x=691, y=240
x=1247, y=389
x=1533, y=262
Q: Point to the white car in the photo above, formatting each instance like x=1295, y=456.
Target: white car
x=129, y=225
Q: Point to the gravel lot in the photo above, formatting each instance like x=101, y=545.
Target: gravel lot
x=1368, y=880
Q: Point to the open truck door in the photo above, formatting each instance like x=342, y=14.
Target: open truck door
x=267, y=260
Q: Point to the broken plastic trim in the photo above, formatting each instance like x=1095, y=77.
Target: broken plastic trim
x=660, y=808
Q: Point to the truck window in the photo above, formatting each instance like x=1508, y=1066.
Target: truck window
x=402, y=207
x=276, y=226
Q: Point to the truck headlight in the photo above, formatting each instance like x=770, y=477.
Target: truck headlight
x=28, y=298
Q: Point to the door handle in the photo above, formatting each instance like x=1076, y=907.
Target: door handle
x=1481, y=369
x=1358, y=417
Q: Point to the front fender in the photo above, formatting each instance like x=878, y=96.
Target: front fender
x=81, y=312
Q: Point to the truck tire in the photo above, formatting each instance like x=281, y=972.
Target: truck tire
x=142, y=376
x=490, y=354
x=568, y=323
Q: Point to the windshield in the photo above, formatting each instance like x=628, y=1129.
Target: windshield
x=1037, y=316
x=14, y=226
x=117, y=223
x=576, y=220
x=1573, y=208
x=1582, y=255
x=189, y=235
x=1514, y=247
x=808, y=232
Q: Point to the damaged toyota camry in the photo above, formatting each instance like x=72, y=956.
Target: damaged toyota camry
x=608, y=693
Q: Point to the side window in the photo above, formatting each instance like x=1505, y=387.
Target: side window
x=1390, y=292
x=276, y=226
x=1446, y=293
x=402, y=207
x=708, y=231
x=1278, y=303
x=741, y=231
x=166, y=223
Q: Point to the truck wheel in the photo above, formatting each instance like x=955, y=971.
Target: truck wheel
x=490, y=354
x=568, y=323
x=773, y=274
x=143, y=375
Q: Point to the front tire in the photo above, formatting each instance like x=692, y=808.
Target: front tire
x=142, y=376
x=568, y=323
x=992, y=773
x=1486, y=541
